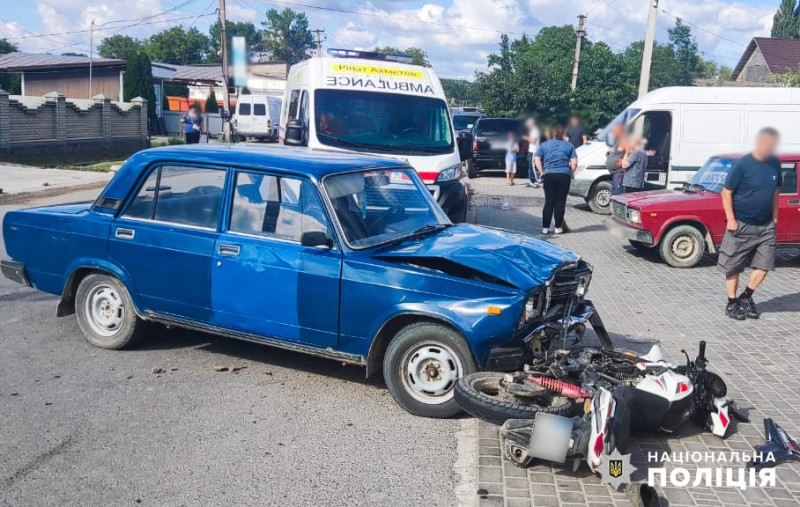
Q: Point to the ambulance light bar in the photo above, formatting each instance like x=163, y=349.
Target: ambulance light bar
x=368, y=55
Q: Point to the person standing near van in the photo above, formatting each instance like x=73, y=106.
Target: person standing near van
x=532, y=137
x=557, y=160
x=512, y=147
x=750, y=200
x=192, y=124
x=634, y=163
x=614, y=158
x=576, y=132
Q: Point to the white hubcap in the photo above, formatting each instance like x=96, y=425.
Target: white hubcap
x=429, y=372
x=104, y=310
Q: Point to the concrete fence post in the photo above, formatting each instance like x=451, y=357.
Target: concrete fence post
x=105, y=114
x=142, y=105
x=5, y=120
x=60, y=116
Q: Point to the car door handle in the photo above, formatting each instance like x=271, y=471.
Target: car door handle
x=229, y=250
x=124, y=233
x=794, y=201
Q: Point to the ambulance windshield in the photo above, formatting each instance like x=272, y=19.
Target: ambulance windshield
x=383, y=122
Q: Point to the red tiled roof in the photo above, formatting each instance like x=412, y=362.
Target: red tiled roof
x=781, y=55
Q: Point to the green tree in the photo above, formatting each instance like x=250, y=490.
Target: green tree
x=461, y=92
x=138, y=82
x=287, y=37
x=118, y=46
x=418, y=56
x=689, y=63
x=785, y=22
x=178, y=46
x=248, y=30
x=211, y=103
x=8, y=81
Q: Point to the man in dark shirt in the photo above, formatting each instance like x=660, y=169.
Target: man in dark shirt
x=576, y=132
x=750, y=200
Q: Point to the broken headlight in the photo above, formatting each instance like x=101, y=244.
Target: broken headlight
x=583, y=284
x=533, y=307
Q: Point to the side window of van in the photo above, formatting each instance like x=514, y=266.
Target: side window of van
x=244, y=109
x=259, y=110
x=294, y=98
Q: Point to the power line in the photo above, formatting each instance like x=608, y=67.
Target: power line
x=384, y=16
x=701, y=28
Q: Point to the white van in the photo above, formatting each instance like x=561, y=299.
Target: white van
x=684, y=126
x=373, y=103
x=257, y=116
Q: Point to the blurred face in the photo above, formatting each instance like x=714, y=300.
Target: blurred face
x=574, y=120
x=766, y=145
x=618, y=131
x=510, y=136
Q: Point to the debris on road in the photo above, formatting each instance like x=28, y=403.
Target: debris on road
x=156, y=370
x=232, y=369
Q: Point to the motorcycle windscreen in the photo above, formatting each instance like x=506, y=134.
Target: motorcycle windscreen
x=550, y=437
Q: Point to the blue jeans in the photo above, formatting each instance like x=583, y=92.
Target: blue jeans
x=616, y=183
x=532, y=174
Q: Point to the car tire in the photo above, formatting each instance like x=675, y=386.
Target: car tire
x=599, y=199
x=472, y=169
x=422, y=365
x=106, y=314
x=473, y=393
x=682, y=246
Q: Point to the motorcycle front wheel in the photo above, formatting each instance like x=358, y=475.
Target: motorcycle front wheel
x=484, y=395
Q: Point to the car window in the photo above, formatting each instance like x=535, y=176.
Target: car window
x=275, y=206
x=497, y=127
x=180, y=195
x=304, y=108
x=259, y=110
x=293, y=101
x=244, y=109
x=789, y=170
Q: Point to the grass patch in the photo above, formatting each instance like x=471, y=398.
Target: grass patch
x=97, y=167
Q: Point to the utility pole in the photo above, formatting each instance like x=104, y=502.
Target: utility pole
x=226, y=99
x=91, y=52
x=318, y=38
x=647, y=55
x=581, y=33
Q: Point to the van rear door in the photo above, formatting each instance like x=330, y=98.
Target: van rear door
x=244, y=114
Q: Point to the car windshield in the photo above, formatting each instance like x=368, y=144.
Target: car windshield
x=712, y=175
x=498, y=127
x=386, y=122
x=464, y=121
x=374, y=207
x=605, y=135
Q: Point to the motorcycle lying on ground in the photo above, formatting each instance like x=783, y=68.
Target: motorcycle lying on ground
x=584, y=402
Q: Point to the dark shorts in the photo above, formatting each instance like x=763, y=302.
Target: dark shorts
x=750, y=245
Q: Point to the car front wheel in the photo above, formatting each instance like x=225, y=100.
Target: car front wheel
x=105, y=312
x=421, y=367
x=682, y=246
x=599, y=199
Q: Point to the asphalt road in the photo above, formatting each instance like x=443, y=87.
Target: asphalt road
x=85, y=426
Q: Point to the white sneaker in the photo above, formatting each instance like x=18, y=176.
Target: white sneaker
x=558, y=230
x=545, y=231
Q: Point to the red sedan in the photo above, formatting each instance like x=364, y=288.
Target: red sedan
x=684, y=224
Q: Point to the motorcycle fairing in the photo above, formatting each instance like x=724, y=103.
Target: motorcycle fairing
x=782, y=447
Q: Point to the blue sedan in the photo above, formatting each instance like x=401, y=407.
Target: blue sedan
x=338, y=256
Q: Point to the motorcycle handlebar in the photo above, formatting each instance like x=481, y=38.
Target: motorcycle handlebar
x=702, y=354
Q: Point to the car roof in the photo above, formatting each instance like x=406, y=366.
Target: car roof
x=300, y=161
x=737, y=156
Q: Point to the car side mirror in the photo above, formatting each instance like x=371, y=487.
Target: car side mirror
x=464, y=145
x=294, y=133
x=313, y=239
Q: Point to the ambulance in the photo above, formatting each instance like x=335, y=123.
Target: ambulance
x=368, y=102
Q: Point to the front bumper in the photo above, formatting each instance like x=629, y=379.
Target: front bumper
x=580, y=188
x=15, y=271
x=624, y=231
x=512, y=357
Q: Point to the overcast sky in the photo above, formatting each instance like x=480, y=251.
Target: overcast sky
x=457, y=34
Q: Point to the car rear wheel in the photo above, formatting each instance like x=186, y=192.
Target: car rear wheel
x=105, y=313
x=599, y=199
x=682, y=246
x=472, y=169
x=421, y=367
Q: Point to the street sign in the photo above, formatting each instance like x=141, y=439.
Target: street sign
x=239, y=57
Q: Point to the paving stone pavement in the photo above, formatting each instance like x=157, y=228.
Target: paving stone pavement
x=643, y=301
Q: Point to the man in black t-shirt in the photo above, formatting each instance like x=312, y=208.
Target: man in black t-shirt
x=750, y=200
x=576, y=132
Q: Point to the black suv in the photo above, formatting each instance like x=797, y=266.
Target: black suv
x=489, y=146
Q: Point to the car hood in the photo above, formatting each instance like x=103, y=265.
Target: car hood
x=515, y=259
x=662, y=197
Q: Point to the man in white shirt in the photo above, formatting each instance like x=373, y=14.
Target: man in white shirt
x=532, y=137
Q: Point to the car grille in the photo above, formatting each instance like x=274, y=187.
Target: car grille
x=565, y=283
x=620, y=210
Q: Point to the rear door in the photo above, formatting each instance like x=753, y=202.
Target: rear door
x=264, y=281
x=244, y=120
x=788, y=229
x=260, y=116
x=490, y=137
x=165, y=239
